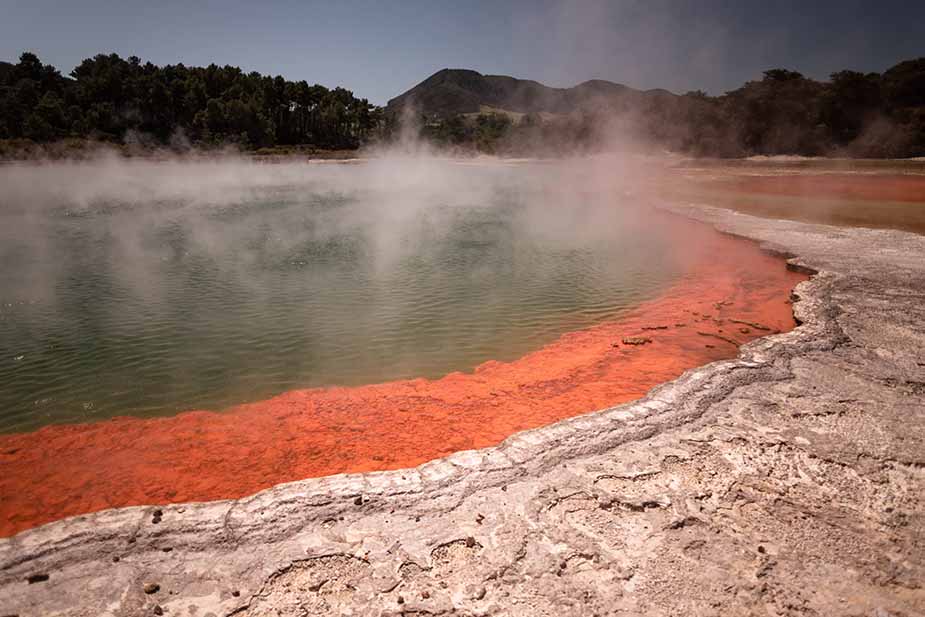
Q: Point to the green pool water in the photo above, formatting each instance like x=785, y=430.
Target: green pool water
x=149, y=288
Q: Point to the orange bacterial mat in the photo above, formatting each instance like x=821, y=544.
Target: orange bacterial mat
x=730, y=291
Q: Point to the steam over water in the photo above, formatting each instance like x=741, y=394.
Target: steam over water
x=149, y=288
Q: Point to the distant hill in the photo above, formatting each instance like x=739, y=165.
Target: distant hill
x=460, y=91
x=853, y=114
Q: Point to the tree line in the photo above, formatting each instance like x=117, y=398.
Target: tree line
x=113, y=99
x=853, y=114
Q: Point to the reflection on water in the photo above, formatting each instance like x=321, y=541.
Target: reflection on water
x=149, y=288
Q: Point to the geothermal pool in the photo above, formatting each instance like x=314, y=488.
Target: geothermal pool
x=147, y=289
x=333, y=318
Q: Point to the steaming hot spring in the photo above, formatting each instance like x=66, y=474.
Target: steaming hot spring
x=197, y=330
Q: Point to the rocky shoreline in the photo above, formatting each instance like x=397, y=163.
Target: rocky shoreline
x=788, y=481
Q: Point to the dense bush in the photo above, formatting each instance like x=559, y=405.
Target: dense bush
x=107, y=97
x=112, y=99
x=853, y=114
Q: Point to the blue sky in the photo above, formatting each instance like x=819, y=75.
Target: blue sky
x=380, y=49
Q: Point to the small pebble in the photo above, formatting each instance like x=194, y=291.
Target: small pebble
x=150, y=588
x=158, y=610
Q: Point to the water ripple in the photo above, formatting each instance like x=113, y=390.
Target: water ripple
x=155, y=307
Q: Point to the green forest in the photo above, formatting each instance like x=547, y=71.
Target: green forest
x=107, y=98
x=110, y=99
x=784, y=113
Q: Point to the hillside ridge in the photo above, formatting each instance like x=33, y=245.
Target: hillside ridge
x=461, y=91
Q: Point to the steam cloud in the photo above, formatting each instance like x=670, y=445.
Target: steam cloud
x=139, y=234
